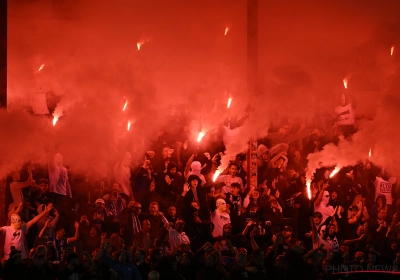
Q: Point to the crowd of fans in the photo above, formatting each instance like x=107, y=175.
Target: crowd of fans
x=168, y=218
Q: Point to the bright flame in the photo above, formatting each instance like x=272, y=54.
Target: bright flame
x=139, y=45
x=336, y=170
x=370, y=152
x=229, y=102
x=129, y=125
x=216, y=174
x=345, y=81
x=41, y=67
x=226, y=30
x=55, y=119
x=308, y=183
x=126, y=104
x=201, y=135
x=391, y=50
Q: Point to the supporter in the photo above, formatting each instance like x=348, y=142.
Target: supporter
x=114, y=207
x=194, y=168
x=345, y=116
x=99, y=217
x=122, y=266
x=228, y=241
x=235, y=200
x=130, y=223
x=296, y=161
x=172, y=215
x=122, y=175
x=59, y=181
x=193, y=192
x=177, y=236
x=39, y=197
x=49, y=220
x=380, y=203
x=153, y=275
x=321, y=204
x=75, y=269
x=171, y=183
x=60, y=240
x=212, y=268
x=229, y=179
x=144, y=239
x=14, y=234
x=219, y=216
x=39, y=269
x=161, y=160
x=141, y=265
x=252, y=197
x=14, y=267
x=318, y=238
x=255, y=267
x=91, y=241
x=155, y=217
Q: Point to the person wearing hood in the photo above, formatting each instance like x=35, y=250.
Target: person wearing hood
x=194, y=168
x=192, y=192
x=171, y=183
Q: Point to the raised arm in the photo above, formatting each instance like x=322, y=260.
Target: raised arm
x=38, y=217
x=365, y=215
x=354, y=219
x=320, y=195
x=43, y=229
x=76, y=237
x=188, y=165
x=254, y=244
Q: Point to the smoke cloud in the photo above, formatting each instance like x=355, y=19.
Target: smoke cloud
x=92, y=66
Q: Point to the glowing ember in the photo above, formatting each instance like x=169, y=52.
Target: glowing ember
x=216, y=174
x=229, y=102
x=139, y=45
x=201, y=135
x=126, y=104
x=308, y=183
x=55, y=119
x=129, y=125
x=345, y=81
x=370, y=152
x=226, y=30
x=41, y=67
x=391, y=50
x=336, y=170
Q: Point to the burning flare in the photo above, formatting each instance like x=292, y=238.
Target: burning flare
x=370, y=152
x=229, y=102
x=129, y=125
x=55, y=119
x=58, y=112
x=336, y=170
x=308, y=184
x=216, y=174
x=391, y=50
x=201, y=135
x=139, y=45
x=126, y=104
x=226, y=30
x=345, y=82
x=41, y=67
